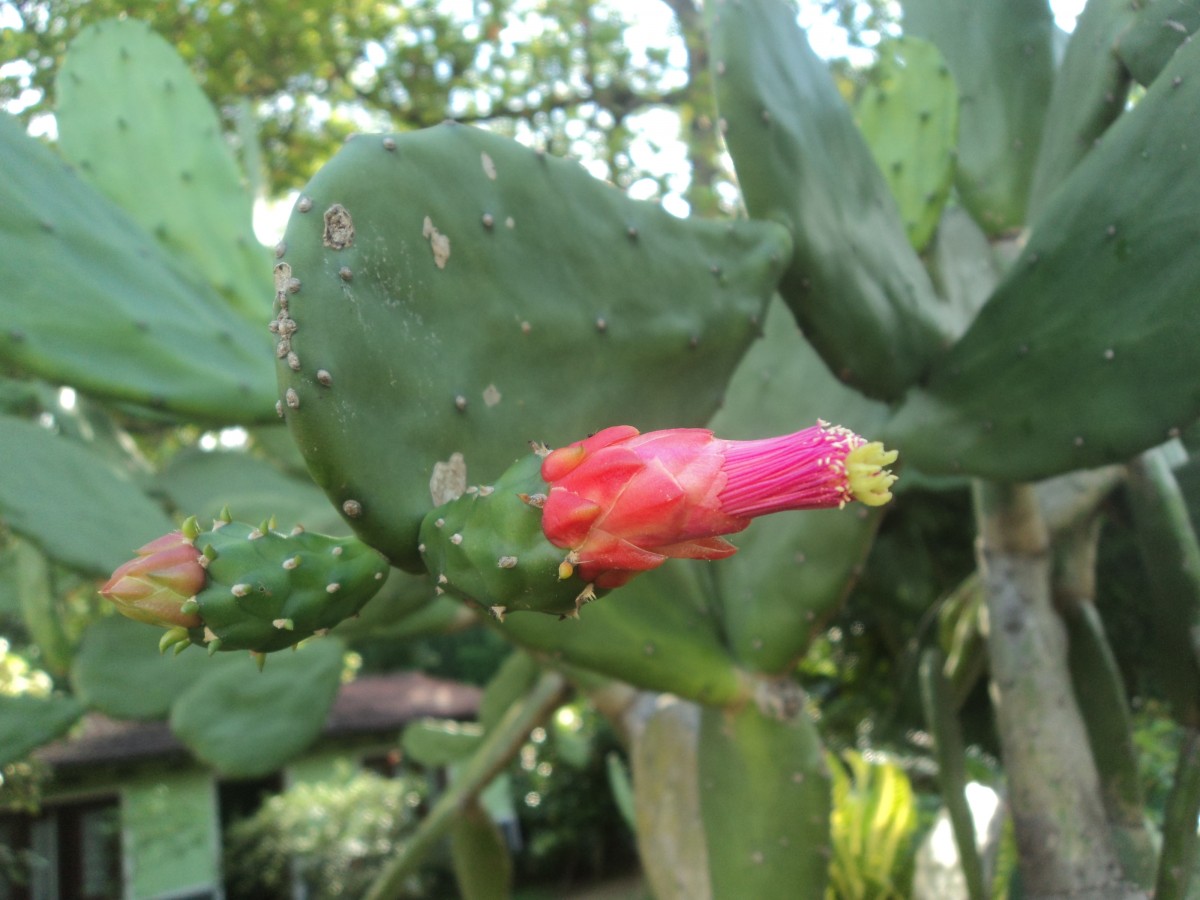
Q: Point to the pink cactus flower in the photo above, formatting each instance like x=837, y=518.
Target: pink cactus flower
x=622, y=502
x=154, y=586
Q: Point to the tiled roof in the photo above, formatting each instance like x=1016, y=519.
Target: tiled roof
x=373, y=704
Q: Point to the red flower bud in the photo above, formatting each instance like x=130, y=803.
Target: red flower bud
x=623, y=502
x=154, y=585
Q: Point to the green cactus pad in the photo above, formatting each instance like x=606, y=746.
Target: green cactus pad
x=908, y=115
x=1085, y=354
x=448, y=295
x=657, y=632
x=267, y=590
x=1089, y=93
x=488, y=547
x=90, y=300
x=765, y=799
x=1154, y=35
x=855, y=284
x=1001, y=58
x=133, y=120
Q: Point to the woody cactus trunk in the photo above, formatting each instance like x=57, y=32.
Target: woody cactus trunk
x=992, y=264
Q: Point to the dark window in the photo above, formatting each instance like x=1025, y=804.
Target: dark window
x=67, y=852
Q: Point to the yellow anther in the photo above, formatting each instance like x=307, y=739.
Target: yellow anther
x=867, y=475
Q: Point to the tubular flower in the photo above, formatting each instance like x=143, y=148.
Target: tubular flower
x=622, y=502
x=153, y=586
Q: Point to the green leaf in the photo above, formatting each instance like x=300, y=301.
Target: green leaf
x=439, y=742
x=82, y=511
x=27, y=722
x=246, y=723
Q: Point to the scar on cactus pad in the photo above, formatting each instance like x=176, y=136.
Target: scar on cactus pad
x=621, y=503
x=239, y=587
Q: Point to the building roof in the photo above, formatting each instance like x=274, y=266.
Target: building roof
x=372, y=704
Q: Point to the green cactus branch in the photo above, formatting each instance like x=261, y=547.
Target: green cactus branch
x=499, y=746
x=1167, y=538
x=1181, y=845
x=1100, y=692
x=940, y=715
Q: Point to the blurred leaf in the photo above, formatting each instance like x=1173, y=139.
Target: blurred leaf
x=247, y=723
x=91, y=301
x=79, y=509
x=119, y=671
x=439, y=742
x=27, y=722
x=200, y=484
x=131, y=114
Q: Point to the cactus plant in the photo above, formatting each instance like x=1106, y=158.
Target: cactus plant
x=445, y=297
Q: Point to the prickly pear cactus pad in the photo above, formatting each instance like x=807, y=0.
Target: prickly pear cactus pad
x=488, y=546
x=266, y=590
x=446, y=296
x=1086, y=353
x=854, y=283
x=130, y=115
x=143, y=332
